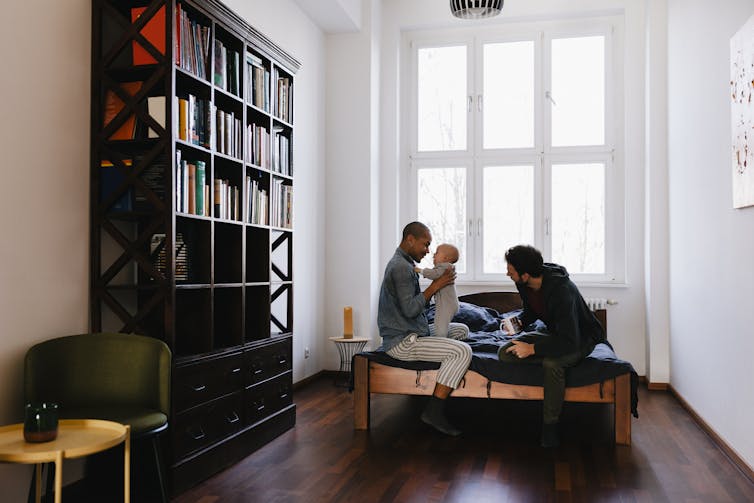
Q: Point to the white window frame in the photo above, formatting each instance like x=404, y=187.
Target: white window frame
x=542, y=156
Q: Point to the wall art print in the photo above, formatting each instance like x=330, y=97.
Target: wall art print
x=742, y=113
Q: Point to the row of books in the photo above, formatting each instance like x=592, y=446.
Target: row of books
x=191, y=189
x=229, y=134
x=257, y=82
x=226, y=68
x=281, y=210
x=283, y=105
x=282, y=150
x=257, y=203
x=257, y=145
x=192, y=43
x=195, y=120
x=227, y=197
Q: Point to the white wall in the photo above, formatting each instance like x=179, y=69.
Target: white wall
x=711, y=244
x=352, y=170
x=44, y=196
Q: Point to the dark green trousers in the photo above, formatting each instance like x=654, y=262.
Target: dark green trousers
x=554, y=368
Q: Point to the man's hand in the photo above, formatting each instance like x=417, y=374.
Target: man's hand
x=521, y=349
x=447, y=278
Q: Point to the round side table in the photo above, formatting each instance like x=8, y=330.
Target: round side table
x=76, y=438
x=347, y=348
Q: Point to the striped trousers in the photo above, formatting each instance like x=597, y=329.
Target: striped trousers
x=454, y=356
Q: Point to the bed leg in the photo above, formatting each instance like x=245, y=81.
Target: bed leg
x=623, y=409
x=360, y=393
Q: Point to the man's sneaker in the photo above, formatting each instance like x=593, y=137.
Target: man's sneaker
x=434, y=416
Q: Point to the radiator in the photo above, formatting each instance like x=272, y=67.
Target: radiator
x=595, y=303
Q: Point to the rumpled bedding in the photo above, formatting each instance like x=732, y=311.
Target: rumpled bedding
x=485, y=338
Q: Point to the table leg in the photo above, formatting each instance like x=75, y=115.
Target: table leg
x=127, y=466
x=38, y=484
x=58, y=476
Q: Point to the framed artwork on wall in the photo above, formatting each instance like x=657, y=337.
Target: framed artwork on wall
x=742, y=113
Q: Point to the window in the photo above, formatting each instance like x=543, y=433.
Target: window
x=513, y=140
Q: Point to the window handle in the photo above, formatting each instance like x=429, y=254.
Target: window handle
x=479, y=227
x=471, y=228
x=470, y=103
x=548, y=95
x=547, y=226
x=479, y=102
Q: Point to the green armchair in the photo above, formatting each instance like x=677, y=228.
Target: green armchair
x=113, y=376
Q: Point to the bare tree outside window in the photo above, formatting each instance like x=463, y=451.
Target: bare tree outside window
x=442, y=207
x=578, y=217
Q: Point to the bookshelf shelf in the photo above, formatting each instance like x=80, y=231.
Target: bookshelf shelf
x=191, y=214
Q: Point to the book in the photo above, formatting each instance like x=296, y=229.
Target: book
x=191, y=188
x=153, y=31
x=182, y=121
x=218, y=197
x=178, y=181
x=185, y=186
x=220, y=56
x=114, y=106
x=200, y=181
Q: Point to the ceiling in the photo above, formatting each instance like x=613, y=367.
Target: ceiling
x=333, y=16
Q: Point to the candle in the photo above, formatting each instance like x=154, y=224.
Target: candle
x=348, y=322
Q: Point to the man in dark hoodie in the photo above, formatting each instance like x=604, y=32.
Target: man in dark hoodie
x=571, y=330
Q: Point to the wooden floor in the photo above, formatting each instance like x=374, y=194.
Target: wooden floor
x=497, y=458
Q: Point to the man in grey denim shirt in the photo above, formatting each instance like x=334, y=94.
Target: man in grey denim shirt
x=406, y=334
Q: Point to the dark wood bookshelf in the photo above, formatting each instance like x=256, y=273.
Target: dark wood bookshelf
x=217, y=288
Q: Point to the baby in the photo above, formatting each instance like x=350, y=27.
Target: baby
x=446, y=300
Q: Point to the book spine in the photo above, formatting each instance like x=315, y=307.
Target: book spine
x=178, y=181
x=185, y=186
x=218, y=197
x=192, y=188
x=200, y=181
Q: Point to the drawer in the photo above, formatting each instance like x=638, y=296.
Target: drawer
x=206, y=424
x=264, y=399
x=203, y=381
x=269, y=360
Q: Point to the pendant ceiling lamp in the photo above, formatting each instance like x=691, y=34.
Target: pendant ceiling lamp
x=475, y=9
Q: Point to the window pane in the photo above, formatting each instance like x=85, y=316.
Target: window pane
x=578, y=217
x=442, y=98
x=508, y=193
x=442, y=207
x=578, y=91
x=508, y=120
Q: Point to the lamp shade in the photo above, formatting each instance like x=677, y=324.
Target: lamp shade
x=475, y=9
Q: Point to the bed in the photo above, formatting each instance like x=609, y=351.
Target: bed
x=600, y=378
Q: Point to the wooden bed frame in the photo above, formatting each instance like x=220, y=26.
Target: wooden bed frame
x=371, y=377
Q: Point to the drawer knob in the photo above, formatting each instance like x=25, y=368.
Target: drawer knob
x=197, y=435
x=232, y=419
x=198, y=387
